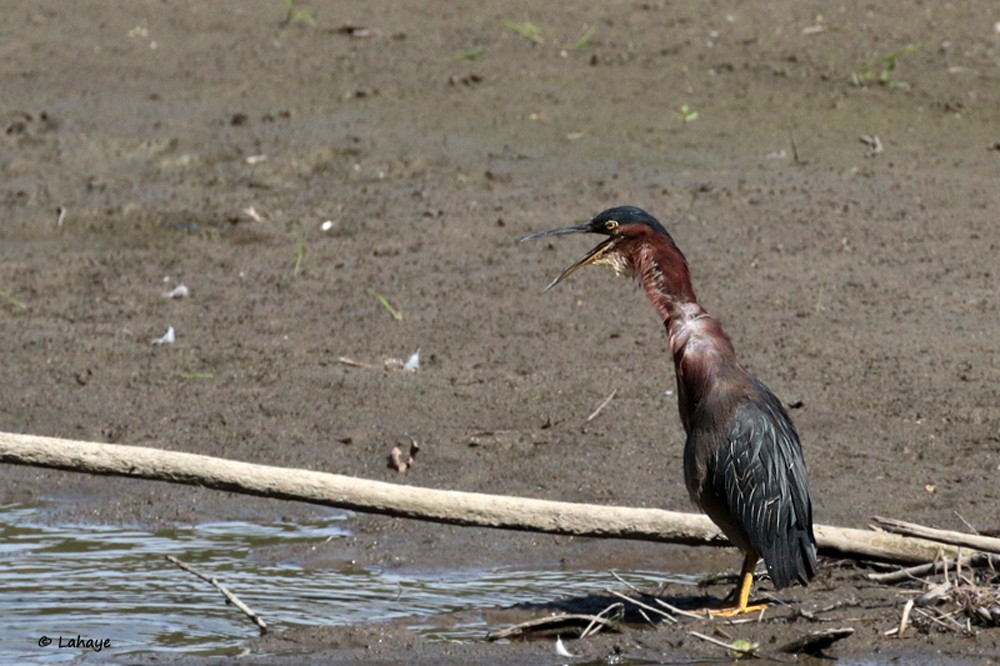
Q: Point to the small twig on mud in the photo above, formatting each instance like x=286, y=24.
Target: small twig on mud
x=914, y=573
x=795, y=148
x=552, y=623
x=230, y=597
x=954, y=626
x=343, y=360
x=670, y=607
x=807, y=615
x=601, y=406
x=967, y=523
x=619, y=612
x=904, y=619
x=636, y=602
x=756, y=618
x=678, y=611
x=626, y=583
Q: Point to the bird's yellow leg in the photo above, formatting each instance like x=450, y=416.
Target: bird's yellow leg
x=742, y=592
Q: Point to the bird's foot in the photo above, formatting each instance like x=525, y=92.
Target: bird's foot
x=738, y=610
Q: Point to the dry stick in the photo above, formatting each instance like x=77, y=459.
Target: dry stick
x=673, y=609
x=645, y=617
x=904, y=620
x=601, y=406
x=678, y=611
x=974, y=560
x=943, y=624
x=638, y=603
x=619, y=609
x=967, y=523
x=626, y=583
x=230, y=597
x=343, y=360
x=441, y=506
x=976, y=541
x=550, y=623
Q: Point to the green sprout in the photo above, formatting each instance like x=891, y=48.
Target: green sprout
x=13, y=300
x=300, y=255
x=585, y=38
x=293, y=15
x=527, y=29
x=743, y=648
x=471, y=54
x=881, y=70
x=396, y=314
x=197, y=375
x=688, y=114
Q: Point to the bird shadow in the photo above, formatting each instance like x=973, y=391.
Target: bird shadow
x=634, y=613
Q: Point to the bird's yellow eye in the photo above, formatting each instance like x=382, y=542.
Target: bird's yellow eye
x=610, y=225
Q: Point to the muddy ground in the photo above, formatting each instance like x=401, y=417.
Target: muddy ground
x=205, y=143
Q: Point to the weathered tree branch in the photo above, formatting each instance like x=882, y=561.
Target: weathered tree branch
x=974, y=541
x=919, y=570
x=442, y=506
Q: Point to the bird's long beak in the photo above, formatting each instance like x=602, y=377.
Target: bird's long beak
x=578, y=229
x=593, y=256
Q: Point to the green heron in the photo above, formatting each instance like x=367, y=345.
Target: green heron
x=743, y=462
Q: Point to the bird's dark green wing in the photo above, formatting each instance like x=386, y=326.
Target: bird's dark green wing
x=760, y=472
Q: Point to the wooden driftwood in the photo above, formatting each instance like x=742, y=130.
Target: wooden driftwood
x=442, y=506
x=974, y=541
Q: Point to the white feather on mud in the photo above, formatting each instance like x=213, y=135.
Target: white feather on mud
x=167, y=339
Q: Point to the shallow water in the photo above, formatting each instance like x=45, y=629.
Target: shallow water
x=113, y=584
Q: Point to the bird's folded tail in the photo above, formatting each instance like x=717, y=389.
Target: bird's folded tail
x=792, y=562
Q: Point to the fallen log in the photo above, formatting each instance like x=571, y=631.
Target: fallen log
x=441, y=506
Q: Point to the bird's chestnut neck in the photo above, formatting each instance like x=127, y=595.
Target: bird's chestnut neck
x=664, y=275
x=701, y=350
